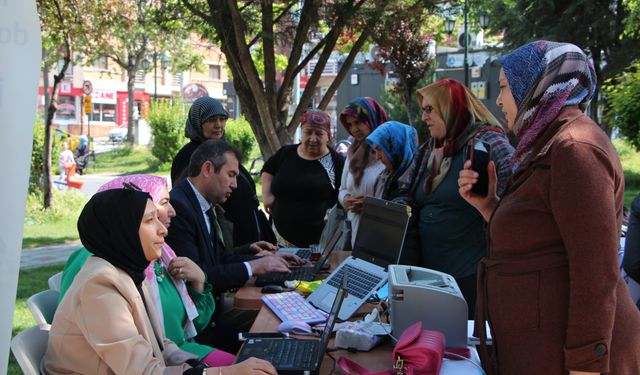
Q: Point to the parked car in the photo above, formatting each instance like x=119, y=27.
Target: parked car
x=118, y=134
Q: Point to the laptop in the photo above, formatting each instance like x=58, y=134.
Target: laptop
x=291, y=355
x=378, y=244
x=304, y=273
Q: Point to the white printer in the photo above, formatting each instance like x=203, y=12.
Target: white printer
x=421, y=294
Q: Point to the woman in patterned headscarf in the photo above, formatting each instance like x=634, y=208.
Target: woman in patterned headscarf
x=359, y=118
x=300, y=183
x=394, y=144
x=250, y=231
x=550, y=284
x=446, y=233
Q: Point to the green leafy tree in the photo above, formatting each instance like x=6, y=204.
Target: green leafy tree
x=596, y=26
x=623, y=98
x=127, y=32
x=167, y=121
x=394, y=103
x=61, y=34
x=303, y=30
x=407, y=49
x=238, y=133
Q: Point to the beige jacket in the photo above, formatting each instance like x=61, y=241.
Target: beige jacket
x=102, y=327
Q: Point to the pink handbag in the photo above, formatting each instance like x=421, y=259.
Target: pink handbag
x=418, y=352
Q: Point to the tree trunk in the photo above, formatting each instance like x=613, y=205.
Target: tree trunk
x=131, y=125
x=406, y=96
x=51, y=110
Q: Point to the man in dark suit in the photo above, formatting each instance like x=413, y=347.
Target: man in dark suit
x=194, y=233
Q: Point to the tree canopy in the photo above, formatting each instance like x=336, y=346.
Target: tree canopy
x=304, y=31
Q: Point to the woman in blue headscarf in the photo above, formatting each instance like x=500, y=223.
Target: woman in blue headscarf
x=550, y=284
x=395, y=144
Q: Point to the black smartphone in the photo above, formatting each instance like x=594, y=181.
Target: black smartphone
x=480, y=157
x=242, y=336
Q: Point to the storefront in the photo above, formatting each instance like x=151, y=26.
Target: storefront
x=68, y=108
x=104, y=107
x=141, y=101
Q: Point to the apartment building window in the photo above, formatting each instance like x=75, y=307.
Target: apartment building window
x=176, y=80
x=100, y=63
x=214, y=72
x=103, y=112
x=66, y=108
x=140, y=75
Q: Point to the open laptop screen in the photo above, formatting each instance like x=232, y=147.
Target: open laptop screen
x=381, y=232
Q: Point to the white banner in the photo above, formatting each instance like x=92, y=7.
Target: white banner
x=20, y=52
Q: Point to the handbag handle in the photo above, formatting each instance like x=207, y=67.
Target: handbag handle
x=349, y=366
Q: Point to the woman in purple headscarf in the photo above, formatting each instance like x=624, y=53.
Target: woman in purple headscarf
x=300, y=182
x=550, y=285
x=362, y=168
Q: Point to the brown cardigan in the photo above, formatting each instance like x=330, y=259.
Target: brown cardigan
x=550, y=285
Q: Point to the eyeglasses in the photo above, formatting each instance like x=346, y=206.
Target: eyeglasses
x=427, y=109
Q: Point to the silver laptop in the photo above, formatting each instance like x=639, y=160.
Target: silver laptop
x=378, y=244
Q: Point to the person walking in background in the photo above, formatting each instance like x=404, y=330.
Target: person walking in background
x=300, y=183
x=550, y=285
x=360, y=117
x=240, y=217
x=65, y=160
x=395, y=144
x=447, y=233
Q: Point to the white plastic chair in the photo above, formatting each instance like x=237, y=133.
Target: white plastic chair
x=43, y=306
x=55, y=281
x=29, y=347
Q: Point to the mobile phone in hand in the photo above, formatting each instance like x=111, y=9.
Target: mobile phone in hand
x=480, y=157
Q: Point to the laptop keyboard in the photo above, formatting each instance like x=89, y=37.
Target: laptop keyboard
x=297, y=273
x=360, y=283
x=292, y=306
x=293, y=353
x=304, y=253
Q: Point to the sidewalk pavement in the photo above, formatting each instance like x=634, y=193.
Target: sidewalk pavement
x=47, y=255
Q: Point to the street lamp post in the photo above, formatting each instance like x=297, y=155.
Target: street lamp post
x=449, y=25
x=164, y=61
x=466, y=42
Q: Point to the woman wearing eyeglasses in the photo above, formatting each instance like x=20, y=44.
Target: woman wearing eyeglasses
x=300, y=183
x=450, y=234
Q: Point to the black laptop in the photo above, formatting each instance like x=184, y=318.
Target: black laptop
x=291, y=355
x=304, y=273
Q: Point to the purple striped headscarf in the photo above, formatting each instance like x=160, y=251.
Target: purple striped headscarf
x=545, y=77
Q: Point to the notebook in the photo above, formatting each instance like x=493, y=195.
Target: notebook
x=304, y=273
x=291, y=355
x=378, y=244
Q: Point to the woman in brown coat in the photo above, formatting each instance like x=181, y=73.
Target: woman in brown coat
x=550, y=286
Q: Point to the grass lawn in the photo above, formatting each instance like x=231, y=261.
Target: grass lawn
x=30, y=282
x=129, y=160
x=53, y=226
x=630, y=159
